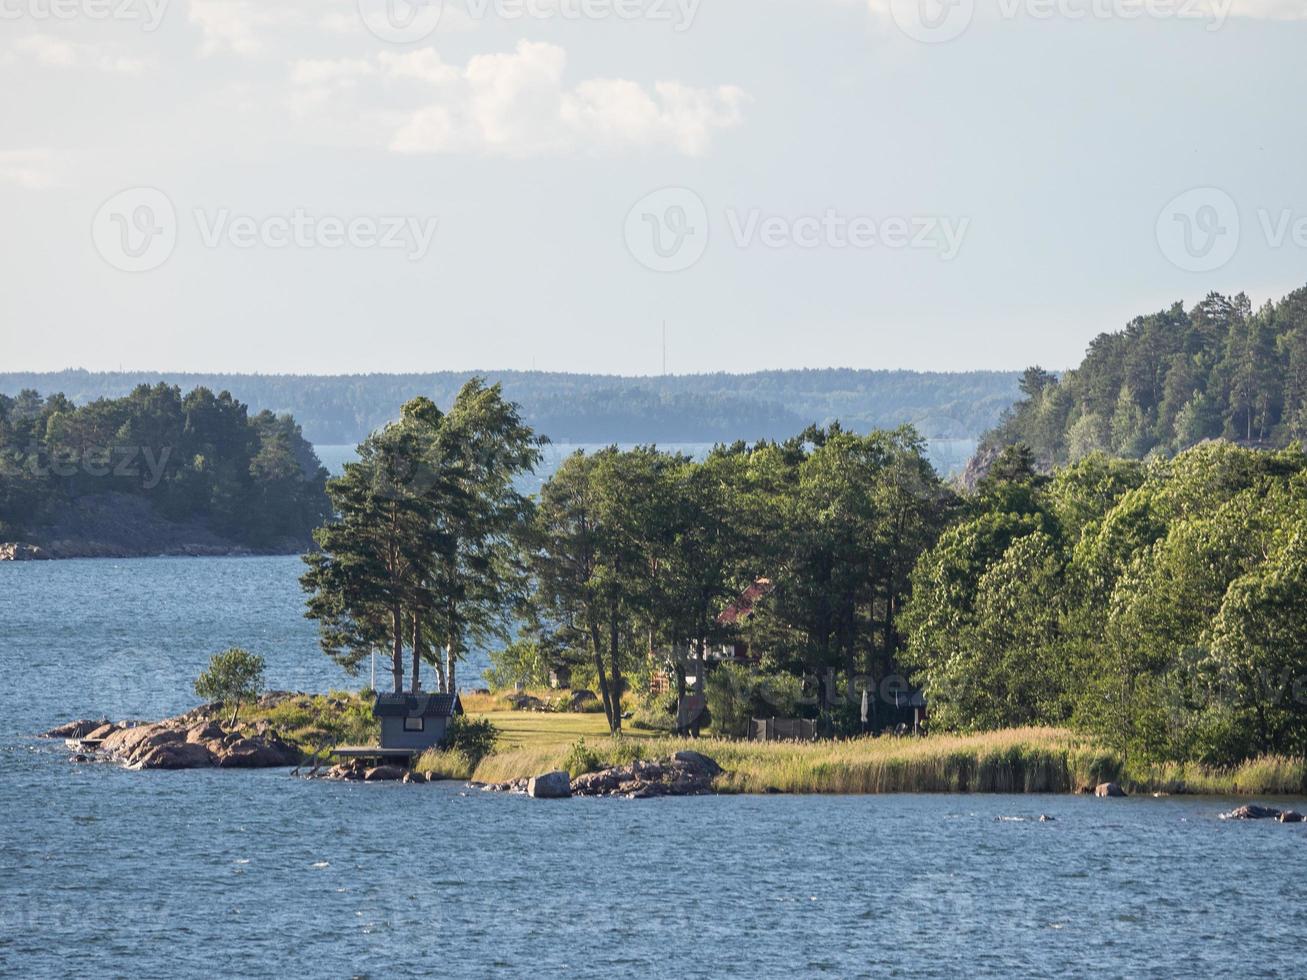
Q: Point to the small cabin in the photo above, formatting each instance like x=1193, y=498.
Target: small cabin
x=415, y=721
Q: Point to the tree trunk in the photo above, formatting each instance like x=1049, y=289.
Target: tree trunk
x=597, y=648
x=614, y=650
x=397, y=648
x=416, y=681
x=451, y=659
x=440, y=674
x=236, y=708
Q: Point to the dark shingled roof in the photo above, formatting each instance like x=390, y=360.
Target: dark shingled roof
x=417, y=706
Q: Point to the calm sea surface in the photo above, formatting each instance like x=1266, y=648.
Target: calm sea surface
x=110, y=873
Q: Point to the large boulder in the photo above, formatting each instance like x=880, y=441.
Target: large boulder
x=550, y=786
x=76, y=729
x=697, y=762
x=103, y=732
x=1108, y=790
x=133, y=744
x=262, y=752
x=1290, y=816
x=174, y=755
x=384, y=774
x=581, y=700
x=1252, y=811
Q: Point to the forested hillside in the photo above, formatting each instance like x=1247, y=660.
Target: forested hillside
x=1170, y=380
x=155, y=471
x=342, y=410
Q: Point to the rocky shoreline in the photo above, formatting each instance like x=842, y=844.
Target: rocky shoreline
x=681, y=774
x=190, y=741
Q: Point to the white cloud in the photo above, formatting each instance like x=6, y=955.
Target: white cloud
x=53, y=52
x=517, y=104
x=238, y=26
x=34, y=169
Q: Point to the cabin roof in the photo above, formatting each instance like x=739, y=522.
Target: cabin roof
x=417, y=706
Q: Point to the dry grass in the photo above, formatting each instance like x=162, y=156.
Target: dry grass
x=1021, y=761
x=1271, y=775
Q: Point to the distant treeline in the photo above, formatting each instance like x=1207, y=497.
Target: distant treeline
x=339, y=410
x=199, y=459
x=1171, y=380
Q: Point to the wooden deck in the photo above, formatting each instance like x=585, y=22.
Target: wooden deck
x=374, y=752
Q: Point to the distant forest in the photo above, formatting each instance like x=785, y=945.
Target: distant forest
x=338, y=410
x=1169, y=381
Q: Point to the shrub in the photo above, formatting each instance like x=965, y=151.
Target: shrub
x=474, y=738
x=581, y=760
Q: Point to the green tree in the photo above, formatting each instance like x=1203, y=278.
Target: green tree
x=232, y=676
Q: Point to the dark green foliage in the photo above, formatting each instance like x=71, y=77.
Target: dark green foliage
x=1162, y=606
x=474, y=737
x=1171, y=380
x=232, y=677
x=198, y=458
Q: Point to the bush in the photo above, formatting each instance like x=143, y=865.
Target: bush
x=474, y=738
x=581, y=760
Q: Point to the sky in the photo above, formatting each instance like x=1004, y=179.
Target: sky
x=331, y=186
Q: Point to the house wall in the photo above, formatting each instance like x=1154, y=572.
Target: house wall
x=393, y=735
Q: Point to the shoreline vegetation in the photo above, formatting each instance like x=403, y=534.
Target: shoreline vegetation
x=529, y=743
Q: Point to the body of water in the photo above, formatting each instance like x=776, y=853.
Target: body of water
x=203, y=873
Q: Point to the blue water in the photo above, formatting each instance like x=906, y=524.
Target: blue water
x=108, y=872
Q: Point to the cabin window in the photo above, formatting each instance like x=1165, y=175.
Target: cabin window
x=415, y=724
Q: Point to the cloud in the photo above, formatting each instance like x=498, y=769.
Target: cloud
x=518, y=104
x=33, y=169
x=238, y=26
x=53, y=52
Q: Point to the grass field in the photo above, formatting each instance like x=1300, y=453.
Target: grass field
x=1032, y=760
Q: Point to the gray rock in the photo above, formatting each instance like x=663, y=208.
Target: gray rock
x=1109, y=789
x=384, y=774
x=1252, y=811
x=550, y=786
x=1291, y=816
x=697, y=762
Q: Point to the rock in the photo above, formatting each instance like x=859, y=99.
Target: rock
x=1291, y=816
x=76, y=729
x=1252, y=811
x=384, y=774
x=103, y=732
x=524, y=702
x=580, y=699
x=550, y=786
x=174, y=755
x=204, y=731
x=698, y=762
x=414, y=777
x=1108, y=789
x=79, y=758
x=19, y=551
x=1045, y=818
x=260, y=752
